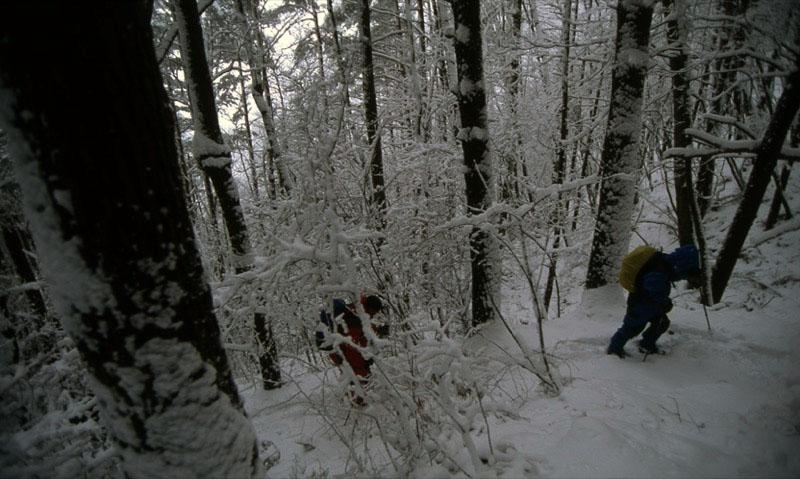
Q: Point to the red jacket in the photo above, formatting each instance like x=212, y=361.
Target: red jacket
x=355, y=332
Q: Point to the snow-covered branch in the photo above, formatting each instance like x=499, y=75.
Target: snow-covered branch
x=718, y=147
x=166, y=43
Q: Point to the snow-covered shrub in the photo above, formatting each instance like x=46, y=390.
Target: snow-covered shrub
x=49, y=419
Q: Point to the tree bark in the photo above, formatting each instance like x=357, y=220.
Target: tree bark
x=474, y=138
x=91, y=134
x=255, y=50
x=337, y=48
x=210, y=150
x=764, y=165
x=681, y=120
x=214, y=155
x=378, y=191
x=560, y=166
x=620, y=157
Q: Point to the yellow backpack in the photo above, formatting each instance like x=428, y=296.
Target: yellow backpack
x=632, y=263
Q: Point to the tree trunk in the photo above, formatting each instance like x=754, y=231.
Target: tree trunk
x=255, y=50
x=780, y=186
x=678, y=60
x=211, y=151
x=414, y=68
x=516, y=160
x=320, y=54
x=474, y=138
x=91, y=134
x=560, y=166
x=337, y=48
x=378, y=191
x=251, y=151
x=732, y=38
x=764, y=165
x=209, y=148
x=620, y=156
x=780, y=190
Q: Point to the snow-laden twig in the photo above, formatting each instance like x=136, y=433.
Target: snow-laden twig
x=549, y=381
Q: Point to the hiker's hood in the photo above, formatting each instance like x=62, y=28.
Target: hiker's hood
x=683, y=262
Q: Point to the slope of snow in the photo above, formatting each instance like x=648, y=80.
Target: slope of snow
x=721, y=403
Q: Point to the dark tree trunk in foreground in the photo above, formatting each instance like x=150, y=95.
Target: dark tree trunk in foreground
x=378, y=191
x=91, y=134
x=474, y=138
x=214, y=156
x=620, y=156
x=763, y=166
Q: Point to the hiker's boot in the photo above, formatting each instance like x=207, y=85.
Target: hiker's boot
x=647, y=348
x=619, y=352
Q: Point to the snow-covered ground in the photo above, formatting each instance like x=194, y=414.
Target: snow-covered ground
x=721, y=403
x=724, y=403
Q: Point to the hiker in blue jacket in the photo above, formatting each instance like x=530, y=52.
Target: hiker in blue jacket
x=649, y=302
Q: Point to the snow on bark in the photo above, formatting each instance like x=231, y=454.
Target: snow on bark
x=210, y=153
x=72, y=286
x=176, y=375
x=210, y=150
x=102, y=192
x=620, y=156
x=166, y=395
x=485, y=254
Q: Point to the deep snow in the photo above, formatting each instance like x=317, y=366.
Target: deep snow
x=721, y=403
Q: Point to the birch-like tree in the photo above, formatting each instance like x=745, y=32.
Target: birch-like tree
x=91, y=134
x=620, y=157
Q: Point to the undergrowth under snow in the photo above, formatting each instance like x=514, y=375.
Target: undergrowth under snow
x=723, y=402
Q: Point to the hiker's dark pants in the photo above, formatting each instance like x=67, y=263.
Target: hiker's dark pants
x=632, y=327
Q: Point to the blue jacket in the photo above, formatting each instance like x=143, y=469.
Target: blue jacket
x=653, y=283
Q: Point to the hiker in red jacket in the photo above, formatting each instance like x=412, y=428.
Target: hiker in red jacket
x=353, y=330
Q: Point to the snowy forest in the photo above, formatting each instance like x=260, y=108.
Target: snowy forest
x=187, y=186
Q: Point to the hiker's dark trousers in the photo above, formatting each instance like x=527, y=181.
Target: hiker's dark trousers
x=632, y=327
